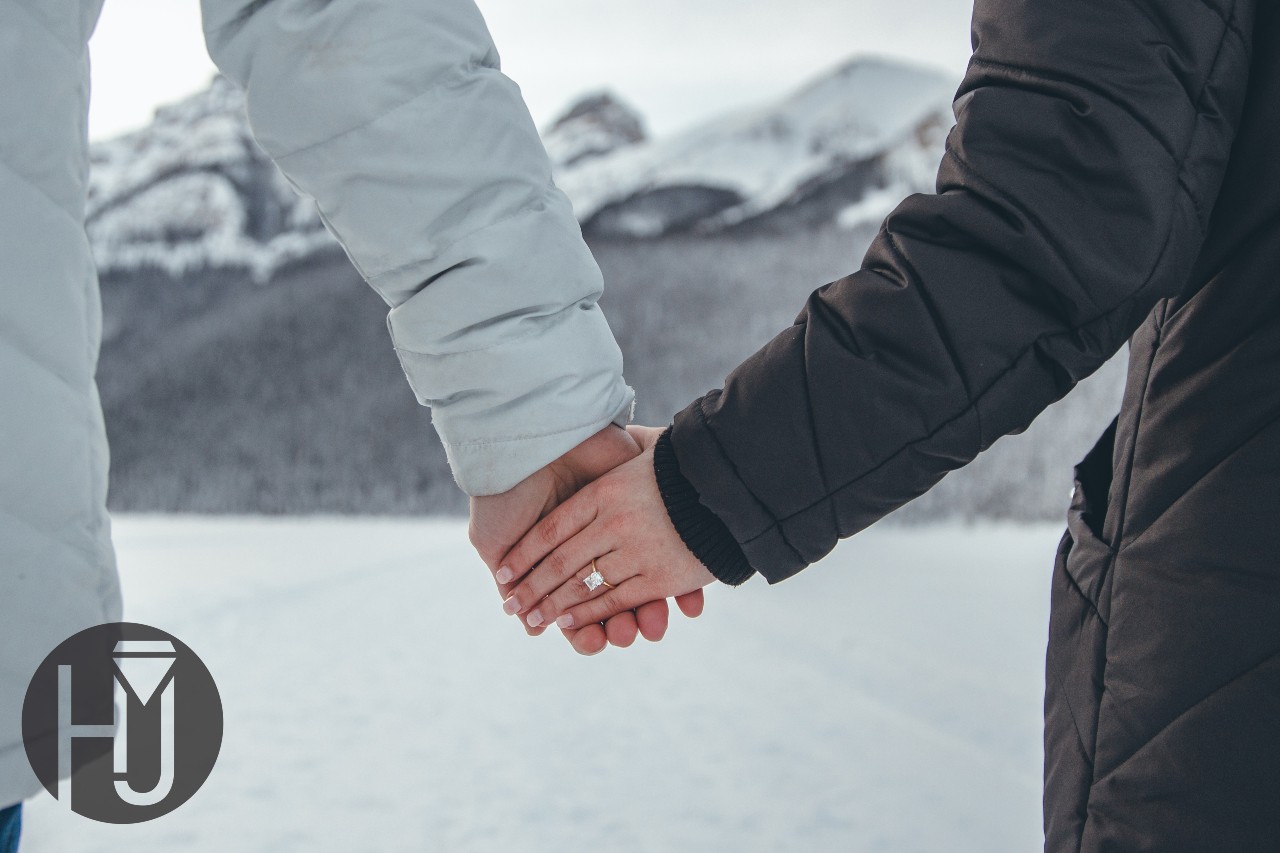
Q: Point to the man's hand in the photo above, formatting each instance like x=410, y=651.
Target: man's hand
x=499, y=521
x=621, y=523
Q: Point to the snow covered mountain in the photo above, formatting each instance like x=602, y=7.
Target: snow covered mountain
x=873, y=130
x=193, y=191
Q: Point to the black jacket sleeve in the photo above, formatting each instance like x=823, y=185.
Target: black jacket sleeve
x=1075, y=192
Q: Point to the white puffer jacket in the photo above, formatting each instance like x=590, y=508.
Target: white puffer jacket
x=425, y=164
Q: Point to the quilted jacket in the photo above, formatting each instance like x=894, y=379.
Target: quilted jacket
x=424, y=163
x=1113, y=175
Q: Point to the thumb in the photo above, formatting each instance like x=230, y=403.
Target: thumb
x=645, y=436
x=691, y=603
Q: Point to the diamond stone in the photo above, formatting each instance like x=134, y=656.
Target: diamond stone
x=593, y=580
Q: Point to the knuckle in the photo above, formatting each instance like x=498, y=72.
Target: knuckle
x=607, y=490
x=579, y=593
x=555, y=564
x=549, y=531
x=606, y=605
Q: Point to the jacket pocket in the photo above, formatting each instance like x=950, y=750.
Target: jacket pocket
x=1087, y=556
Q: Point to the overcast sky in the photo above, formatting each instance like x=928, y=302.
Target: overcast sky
x=675, y=60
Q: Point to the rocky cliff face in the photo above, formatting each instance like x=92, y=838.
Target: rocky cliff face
x=595, y=126
x=193, y=191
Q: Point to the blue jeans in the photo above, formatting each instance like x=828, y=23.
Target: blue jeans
x=10, y=828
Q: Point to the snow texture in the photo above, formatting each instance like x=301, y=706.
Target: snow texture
x=376, y=698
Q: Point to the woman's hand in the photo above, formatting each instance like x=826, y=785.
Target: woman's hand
x=497, y=522
x=621, y=523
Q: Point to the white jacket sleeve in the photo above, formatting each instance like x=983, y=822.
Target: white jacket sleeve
x=425, y=164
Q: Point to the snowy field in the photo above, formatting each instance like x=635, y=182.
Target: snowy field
x=377, y=699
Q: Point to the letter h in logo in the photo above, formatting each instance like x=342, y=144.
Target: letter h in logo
x=142, y=667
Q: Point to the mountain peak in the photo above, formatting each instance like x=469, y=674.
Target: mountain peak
x=867, y=125
x=594, y=125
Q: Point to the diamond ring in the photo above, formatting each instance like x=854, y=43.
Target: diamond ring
x=595, y=580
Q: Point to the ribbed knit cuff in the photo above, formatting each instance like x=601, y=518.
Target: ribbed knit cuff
x=701, y=529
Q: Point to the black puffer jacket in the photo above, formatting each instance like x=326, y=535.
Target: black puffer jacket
x=1114, y=172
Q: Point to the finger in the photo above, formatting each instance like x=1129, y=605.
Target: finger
x=589, y=640
x=574, y=591
x=557, y=527
x=628, y=595
x=558, y=567
x=652, y=619
x=621, y=629
x=691, y=603
x=504, y=590
x=643, y=435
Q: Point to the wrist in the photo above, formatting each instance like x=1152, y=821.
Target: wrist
x=701, y=530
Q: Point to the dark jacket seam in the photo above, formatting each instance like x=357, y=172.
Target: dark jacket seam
x=1183, y=492
x=1046, y=233
x=1232, y=252
x=934, y=316
x=1193, y=706
x=706, y=425
x=1120, y=506
x=817, y=451
x=1092, y=604
x=1228, y=21
x=1075, y=723
x=1084, y=85
x=1201, y=216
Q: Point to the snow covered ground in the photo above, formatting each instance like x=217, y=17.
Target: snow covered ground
x=377, y=699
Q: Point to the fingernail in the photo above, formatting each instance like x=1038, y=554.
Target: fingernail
x=505, y=574
x=565, y=621
x=534, y=619
x=511, y=606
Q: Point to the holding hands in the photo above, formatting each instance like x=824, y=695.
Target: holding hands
x=609, y=548
x=596, y=553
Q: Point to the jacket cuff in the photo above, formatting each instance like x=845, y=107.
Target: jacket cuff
x=701, y=530
x=492, y=467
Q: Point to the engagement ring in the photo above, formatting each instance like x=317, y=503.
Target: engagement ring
x=595, y=579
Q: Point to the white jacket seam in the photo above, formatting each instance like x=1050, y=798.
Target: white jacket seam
x=486, y=442
x=456, y=72
x=554, y=316
x=531, y=207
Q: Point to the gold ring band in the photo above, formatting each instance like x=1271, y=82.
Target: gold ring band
x=595, y=580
